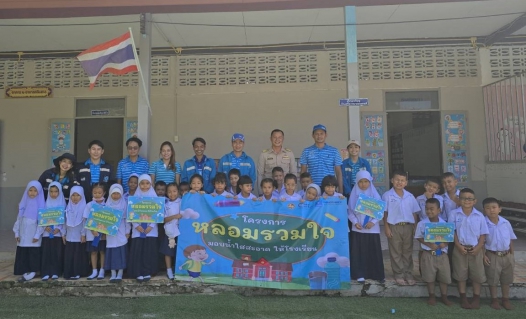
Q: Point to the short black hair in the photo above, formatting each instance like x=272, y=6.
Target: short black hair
x=305, y=175
x=183, y=184
x=291, y=176
x=399, y=173
x=198, y=139
x=96, y=142
x=243, y=180
x=448, y=174
x=466, y=191
x=234, y=171
x=277, y=169
x=276, y=130
x=329, y=180
x=160, y=183
x=433, y=201
x=432, y=180
x=268, y=180
x=134, y=139
x=491, y=200
x=220, y=178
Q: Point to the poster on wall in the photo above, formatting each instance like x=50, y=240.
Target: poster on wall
x=455, y=133
x=131, y=129
x=374, y=131
x=377, y=161
x=61, y=137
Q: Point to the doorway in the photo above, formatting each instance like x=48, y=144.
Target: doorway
x=108, y=130
x=414, y=135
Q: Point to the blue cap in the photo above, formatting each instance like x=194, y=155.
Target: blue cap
x=319, y=127
x=238, y=136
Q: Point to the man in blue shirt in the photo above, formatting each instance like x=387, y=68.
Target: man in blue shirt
x=131, y=164
x=321, y=159
x=200, y=164
x=94, y=170
x=352, y=166
x=238, y=159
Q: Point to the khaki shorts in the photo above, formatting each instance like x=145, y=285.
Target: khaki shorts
x=468, y=266
x=500, y=269
x=435, y=268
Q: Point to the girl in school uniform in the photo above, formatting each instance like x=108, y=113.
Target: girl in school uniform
x=233, y=176
x=268, y=186
x=116, y=245
x=52, y=245
x=143, y=261
x=312, y=192
x=366, y=251
x=133, y=183
x=95, y=241
x=171, y=227
x=328, y=186
x=75, y=256
x=196, y=184
x=27, y=258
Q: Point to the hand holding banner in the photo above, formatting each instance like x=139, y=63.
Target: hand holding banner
x=146, y=209
x=51, y=216
x=104, y=219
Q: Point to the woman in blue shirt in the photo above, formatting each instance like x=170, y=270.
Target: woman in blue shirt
x=166, y=169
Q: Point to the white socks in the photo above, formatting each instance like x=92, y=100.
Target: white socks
x=93, y=274
x=119, y=274
x=101, y=274
x=29, y=275
x=113, y=275
x=170, y=273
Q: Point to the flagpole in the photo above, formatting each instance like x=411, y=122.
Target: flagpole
x=140, y=71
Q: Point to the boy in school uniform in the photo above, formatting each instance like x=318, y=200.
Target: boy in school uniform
x=451, y=193
x=499, y=261
x=434, y=260
x=399, y=221
x=290, y=189
x=470, y=233
x=305, y=180
x=432, y=187
x=278, y=176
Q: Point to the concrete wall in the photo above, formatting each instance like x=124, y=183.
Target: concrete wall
x=215, y=113
x=507, y=181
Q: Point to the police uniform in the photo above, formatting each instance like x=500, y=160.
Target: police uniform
x=268, y=159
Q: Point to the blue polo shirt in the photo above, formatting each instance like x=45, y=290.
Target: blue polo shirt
x=349, y=171
x=244, y=163
x=94, y=170
x=126, y=167
x=321, y=161
x=164, y=174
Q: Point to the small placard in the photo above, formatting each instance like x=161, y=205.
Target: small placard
x=51, y=216
x=370, y=206
x=104, y=219
x=354, y=102
x=439, y=232
x=100, y=112
x=28, y=91
x=146, y=209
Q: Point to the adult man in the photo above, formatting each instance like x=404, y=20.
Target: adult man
x=133, y=163
x=238, y=159
x=200, y=164
x=277, y=155
x=94, y=170
x=321, y=159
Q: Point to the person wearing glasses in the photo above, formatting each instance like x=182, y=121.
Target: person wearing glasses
x=94, y=170
x=132, y=163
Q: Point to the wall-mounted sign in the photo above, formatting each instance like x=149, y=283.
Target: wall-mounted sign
x=100, y=112
x=28, y=91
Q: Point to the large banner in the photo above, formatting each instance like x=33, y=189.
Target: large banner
x=285, y=245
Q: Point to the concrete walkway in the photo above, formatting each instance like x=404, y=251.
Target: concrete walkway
x=159, y=285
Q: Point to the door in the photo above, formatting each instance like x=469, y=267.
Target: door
x=262, y=272
x=108, y=130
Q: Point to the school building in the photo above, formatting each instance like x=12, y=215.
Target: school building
x=446, y=93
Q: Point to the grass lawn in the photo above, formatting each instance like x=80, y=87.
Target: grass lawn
x=235, y=306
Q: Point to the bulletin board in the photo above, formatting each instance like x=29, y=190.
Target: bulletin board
x=374, y=147
x=61, y=138
x=454, y=144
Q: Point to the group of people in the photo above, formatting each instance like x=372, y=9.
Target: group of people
x=482, y=247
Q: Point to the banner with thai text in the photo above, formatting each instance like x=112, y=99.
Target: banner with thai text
x=284, y=245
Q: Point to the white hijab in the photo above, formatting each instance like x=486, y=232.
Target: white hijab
x=119, y=204
x=356, y=191
x=150, y=192
x=75, y=212
x=28, y=207
x=60, y=201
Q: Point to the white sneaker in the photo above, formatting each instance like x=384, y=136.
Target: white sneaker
x=45, y=278
x=93, y=274
x=54, y=277
x=29, y=275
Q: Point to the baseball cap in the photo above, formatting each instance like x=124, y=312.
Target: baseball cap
x=238, y=136
x=354, y=142
x=319, y=127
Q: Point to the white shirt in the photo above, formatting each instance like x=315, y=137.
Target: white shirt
x=335, y=195
x=422, y=203
x=500, y=235
x=42, y=231
x=26, y=229
x=400, y=209
x=171, y=228
x=449, y=206
x=120, y=238
x=420, y=232
x=286, y=197
x=240, y=196
x=280, y=192
x=469, y=228
x=74, y=234
x=87, y=232
x=355, y=218
x=224, y=194
x=153, y=233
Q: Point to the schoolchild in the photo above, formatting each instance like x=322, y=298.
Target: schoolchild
x=399, y=221
x=95, y=241
x=434, y=260
x=76, y=262
x=290, y=189
x=328, y=185
x=364, y=237
x=432, y=187
x=268, y=188
x=468, y=258
x=184, y=188
x=305, y=180
x=245, y=186
x=220, y=186
x=499, y=260
x=233, y=177
x=116, y=250
x=451, y=195
x=160, y=188
x=352, y=165
x=133, y=183
x=196, y=184
x=27, y=258
x=277, y=176
x=313, y=192
x=143, y=260
x=52, y=245
x=171, y=227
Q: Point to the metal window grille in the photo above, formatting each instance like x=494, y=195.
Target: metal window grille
x=505, y=107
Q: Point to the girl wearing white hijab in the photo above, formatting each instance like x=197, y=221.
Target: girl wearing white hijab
x=116, y=245
x=52, y=245
x=144, y=258
x=27, y=259
x=76, y=262
x=364, y=240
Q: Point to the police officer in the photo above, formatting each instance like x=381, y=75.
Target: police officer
x=277, y=155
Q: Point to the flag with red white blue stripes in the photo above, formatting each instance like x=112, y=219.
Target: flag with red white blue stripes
x=115, y=56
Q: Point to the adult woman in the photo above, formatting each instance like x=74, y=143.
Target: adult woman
x=166, y=169
x=63, y=172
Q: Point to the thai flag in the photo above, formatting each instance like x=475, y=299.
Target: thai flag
x=115, y=56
